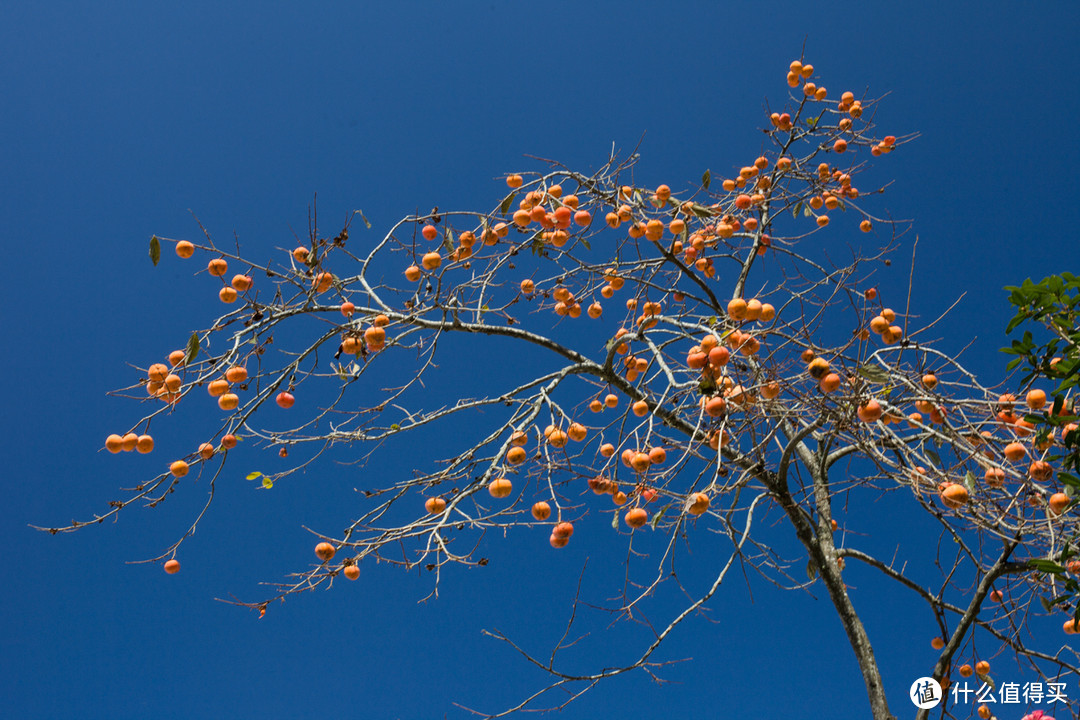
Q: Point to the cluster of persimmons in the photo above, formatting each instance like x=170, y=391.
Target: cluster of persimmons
x=696, y=366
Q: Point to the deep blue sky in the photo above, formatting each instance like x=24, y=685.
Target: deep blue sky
x=120, y=118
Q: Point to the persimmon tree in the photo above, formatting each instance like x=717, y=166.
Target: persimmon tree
x=687, y=359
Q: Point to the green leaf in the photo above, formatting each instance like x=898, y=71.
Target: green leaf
x=874, y=373
x=395, y=426
x=1013, y=323
x=585, y=242
x=657, y=515
x=706, y=179
x=504, y=206
x=267, y=483
x=934, y=457
x=811, y=122
x=969, y=481
x=795, y=211
x=155, y=249
x=361, y=213
x=1045, y=566
x=448, y=239
x=253, y=475
x=192, y=348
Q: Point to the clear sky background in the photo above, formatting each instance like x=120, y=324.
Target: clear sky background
x=119, y=118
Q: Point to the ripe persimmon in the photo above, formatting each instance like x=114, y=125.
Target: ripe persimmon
x=954, y=496
x=144, y=444
x=434, y=505
x=1058, y=502
x=937, y=643
x=178, y=468
x=516, y=455
x=412, y=273
x=1036, y=399
x=217, y=267
x=500, y=488
x=375, y=337
x=698, y=504
x=241, y=283
x=982, y=667
x=817, y=368
x=558, y=438
x=541, y=511
x=206, y=451
x=172, y=566
x=870, y=411
x=1015, y=451
x=285, y=400
x=563, y=530
x=114, y=443
x=715, y=406
x=236, y=374
x=323, y=282
x=1041, y=471
x=157, y=372
x=640, y=461
x=129, y=441
x=995, y=477
x=325, y=551
x=185, y=249
x=228, y=295
x=217, y=388
x=351, y=572
x=636, y=517
x=228, y=401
